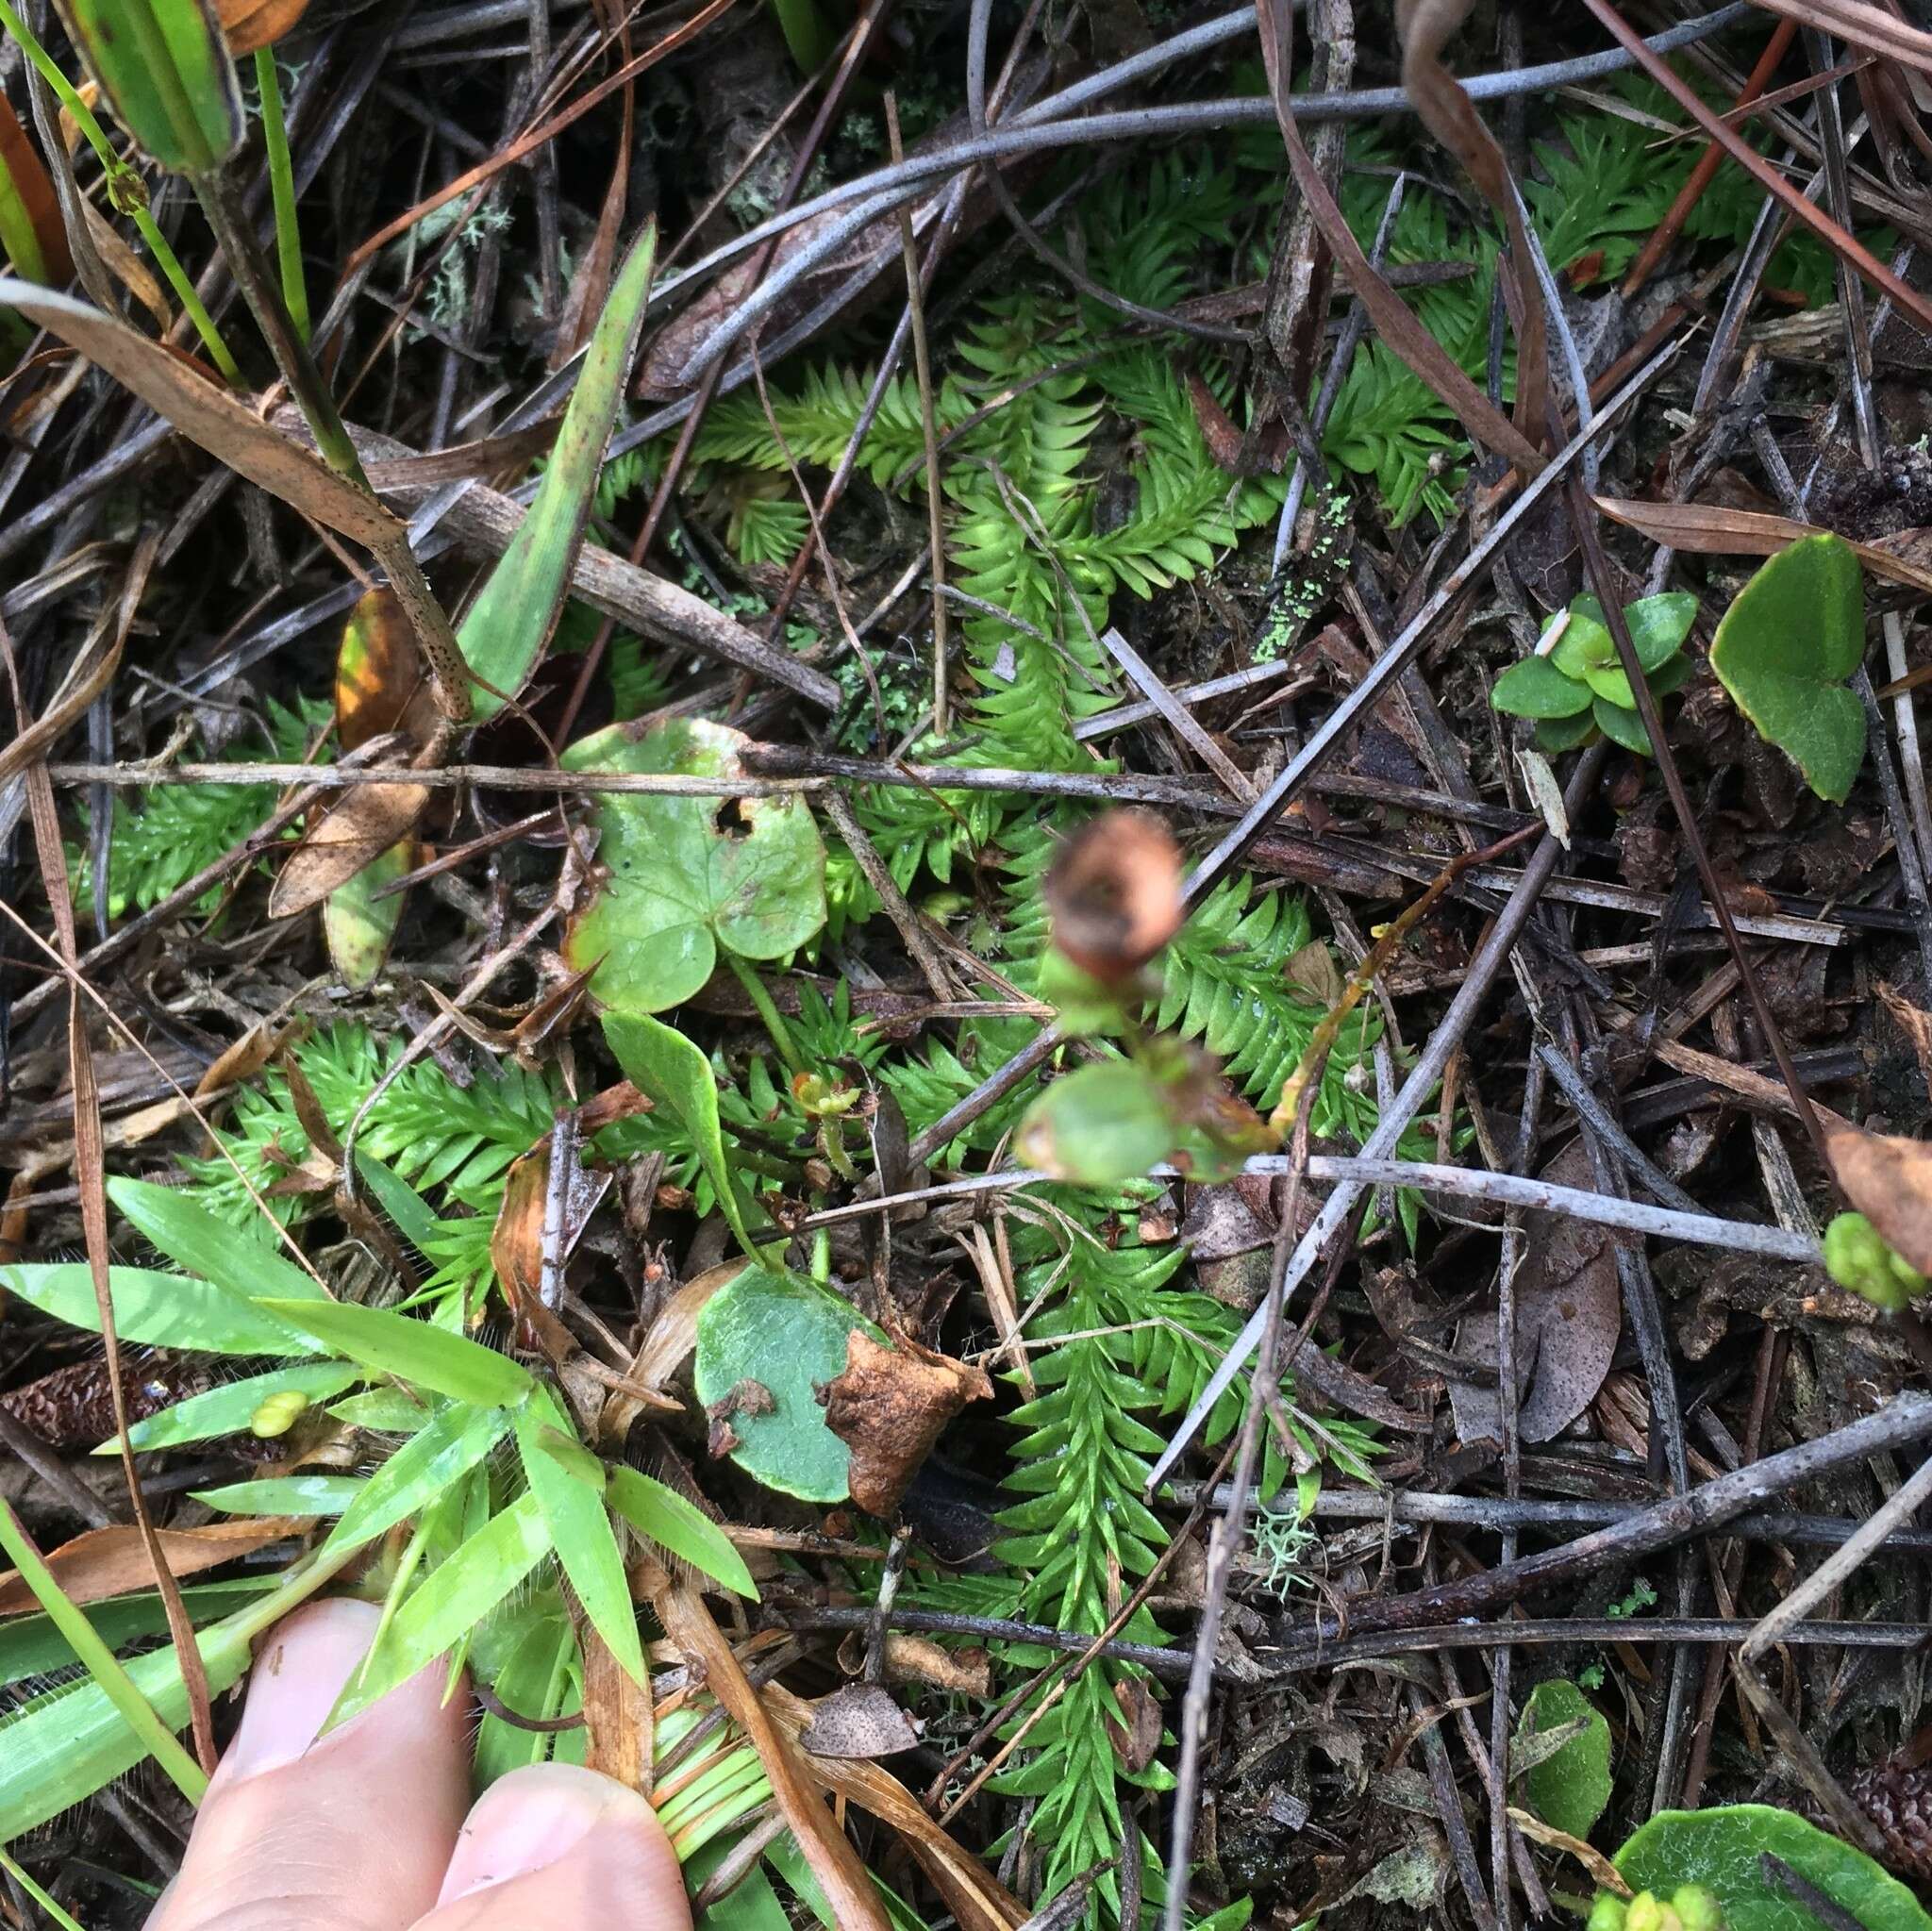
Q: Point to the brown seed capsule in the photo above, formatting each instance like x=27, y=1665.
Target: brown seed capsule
x=1115, y=894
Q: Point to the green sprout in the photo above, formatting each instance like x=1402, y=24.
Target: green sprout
x=1857, y=1257
x=1574, y=686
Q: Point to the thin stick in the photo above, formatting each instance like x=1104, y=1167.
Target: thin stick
x=921, y=363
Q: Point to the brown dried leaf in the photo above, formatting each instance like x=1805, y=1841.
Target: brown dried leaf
x=380, y=685
x=858, y=1719
x=1114, y=891
x=890, y=1407
x=1138, y=1737
x=113, y=1561
x=516, y=1245
x=34, y=187
x=1568, y=1319
x=1707, y=530
x=252, y=24
x=619, y=1716
x=354, y=834
x=1890, y=1181
x=919, y=1659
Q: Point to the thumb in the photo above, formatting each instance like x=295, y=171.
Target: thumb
x=553, y=1845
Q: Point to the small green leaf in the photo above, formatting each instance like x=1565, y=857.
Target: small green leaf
x=390, y=1410
x=239, y=1264
x=580, y=1531
x=1537, y=688
x=1620, y=727
x=1720, y=1849
x=532, y=1681
x=1571, y=1789
x=450, y=1444
x=1791, y=637
x=358, y=923
x=665, y=1517
x=687, y=875
x=161, y=1310
x=1659, y=625
x=413, y=1217
x=505, y=630
x=672, y=1072
x=1557, y=735
x=413, y=1350
x=164, y=68
x=456, y=1596
x=1098, y=1127
x=285, y=1495
x=1586, y=643
x=228, y=1409
x=786, y=1337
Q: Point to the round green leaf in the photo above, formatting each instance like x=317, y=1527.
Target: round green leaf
x=1659, y=625
x=1571, y=1787
x=1720, y=1849
x=686, y=875
x=1098, y=1127
x=1620, y=726
x=1586, y=643
x=1556, y=735
x=767, y=1342
x=1783, y=650
x=1537, y=688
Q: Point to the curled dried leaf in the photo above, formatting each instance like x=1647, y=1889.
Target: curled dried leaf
x=1114, y=892
x=890, y=1407
x=1890, y=1181
x=858, y=1719
x=251, y=24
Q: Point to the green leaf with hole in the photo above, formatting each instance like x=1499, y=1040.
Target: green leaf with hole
x=412, y=1350
x=442, y=1451
x=1720, y=1849
x=450, y=1601
x=229, y=1409
x=161, y=1310
x=1098, y=1125
x=165, y=70
x=504, y=632
x=666, y=1518
x=672, y=1073
x=1571, y=1787
x=1792, y=636
x=1537, y=688
x=580, y=1531
x=767, y=1342
x=240, y=1264
x=685, y=875
x=285, y=1495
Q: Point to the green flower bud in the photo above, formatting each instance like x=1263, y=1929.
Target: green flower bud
x=1648, y=1912
x=1857, y=1257
x=1698, y=1908
x=275, y=1414
x=1608, y=1913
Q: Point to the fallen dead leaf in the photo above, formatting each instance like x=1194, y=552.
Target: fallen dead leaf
x=113, y=1561
x=252, y=24
x=1568, y=1318
x=1707, y=530
x=1136, y=1737
x=858, y=1719
x=918, y=1660
x=890, y=1407
x=1890, y=1181
x=1914, y=1023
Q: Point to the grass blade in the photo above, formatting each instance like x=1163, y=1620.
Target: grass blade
x=163, y=1310
x=413, y=1350
x=442, y=1451
x=664, y=1516
x=507, y=626
x=103, y=1666
x=165, y=71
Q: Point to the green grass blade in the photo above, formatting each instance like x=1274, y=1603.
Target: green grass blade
x=109, y=1677
x=666, y=1517
x=441, y=1453
x=160, y=1310
x=413, y=1351
x=32, y=1646
x=229, y=1409
x=585, y=1542
x=281, y=175
x=285, y=1495
x=38, y=1896
x=451, y=1602
x=198, y=1243
x=165, y=70
x=507, y=626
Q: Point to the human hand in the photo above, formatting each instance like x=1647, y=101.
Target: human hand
x=365, y=1830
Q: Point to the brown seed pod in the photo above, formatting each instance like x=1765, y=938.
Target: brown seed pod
x=1114, y=892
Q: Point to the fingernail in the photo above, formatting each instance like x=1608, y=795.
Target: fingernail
x=302, y=1669
x=526, y=1822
